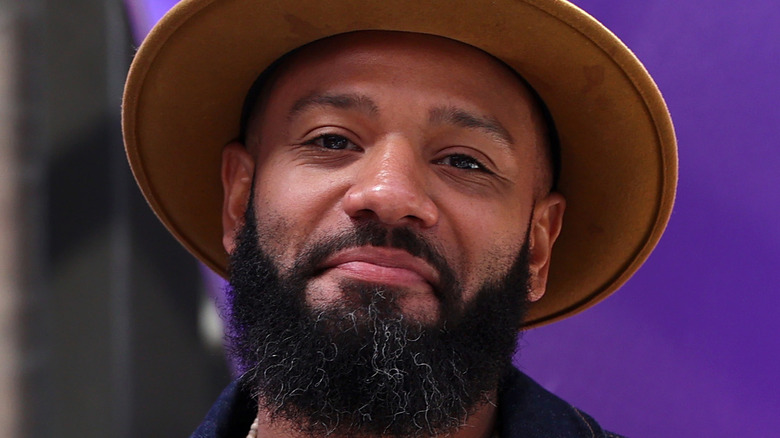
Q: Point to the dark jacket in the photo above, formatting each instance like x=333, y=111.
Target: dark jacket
x=526, y=410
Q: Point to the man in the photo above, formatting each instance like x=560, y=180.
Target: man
x=391, y=194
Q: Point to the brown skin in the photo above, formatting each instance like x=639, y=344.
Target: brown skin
x=393, y=109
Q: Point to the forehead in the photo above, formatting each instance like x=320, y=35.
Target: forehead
x=399, y=50
x=419, y=56
x=397, y=64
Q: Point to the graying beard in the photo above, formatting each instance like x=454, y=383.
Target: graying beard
x=391, y=338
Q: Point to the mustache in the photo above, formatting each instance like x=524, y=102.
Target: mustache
x=375, y=234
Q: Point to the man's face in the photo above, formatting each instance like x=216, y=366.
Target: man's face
x=409, y=131
x=396, y=224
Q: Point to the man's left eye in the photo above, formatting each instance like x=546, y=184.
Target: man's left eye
x=332, y=141
x=465, y=162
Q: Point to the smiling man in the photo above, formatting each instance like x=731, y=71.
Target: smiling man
x=399, y=205
x=392, y=191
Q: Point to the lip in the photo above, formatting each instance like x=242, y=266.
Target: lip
x=382, y=265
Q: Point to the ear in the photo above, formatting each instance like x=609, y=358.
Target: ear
x=546, y=225
x=238, y=169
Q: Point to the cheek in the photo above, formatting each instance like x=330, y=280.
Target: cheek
x=492, y=264
x=291, y=205
x=486, y=241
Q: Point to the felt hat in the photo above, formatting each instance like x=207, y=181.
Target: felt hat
x=187, y=83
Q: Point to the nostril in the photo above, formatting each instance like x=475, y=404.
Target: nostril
x=391, y=205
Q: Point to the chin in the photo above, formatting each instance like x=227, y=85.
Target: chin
x=355, y=299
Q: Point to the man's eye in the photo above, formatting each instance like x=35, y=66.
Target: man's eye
x=463, y=162
x=332, y=141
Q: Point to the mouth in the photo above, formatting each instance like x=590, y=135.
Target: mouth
x=380, y=265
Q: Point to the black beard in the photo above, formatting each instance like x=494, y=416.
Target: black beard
x=362, y=367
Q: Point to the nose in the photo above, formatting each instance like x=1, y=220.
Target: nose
x=390, y=186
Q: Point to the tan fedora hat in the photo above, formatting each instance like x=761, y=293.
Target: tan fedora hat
x=186, y=86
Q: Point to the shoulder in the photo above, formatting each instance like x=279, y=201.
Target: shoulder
x=230, y=416
x=528, y=410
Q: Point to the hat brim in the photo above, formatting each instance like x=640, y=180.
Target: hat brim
x=186, y=86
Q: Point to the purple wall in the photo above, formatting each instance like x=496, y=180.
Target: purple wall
x=690, y=346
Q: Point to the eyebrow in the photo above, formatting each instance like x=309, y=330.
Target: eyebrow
x=459, y=117
x=347, y=101
x=440, y=115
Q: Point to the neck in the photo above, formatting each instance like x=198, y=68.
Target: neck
x=480, y=424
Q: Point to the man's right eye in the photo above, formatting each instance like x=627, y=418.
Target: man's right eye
x=332, y=141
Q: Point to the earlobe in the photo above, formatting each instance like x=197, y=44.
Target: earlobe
x=238, y=168
x=545, y=227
